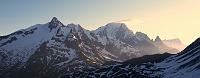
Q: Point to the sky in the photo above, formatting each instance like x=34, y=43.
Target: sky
x=167, y=18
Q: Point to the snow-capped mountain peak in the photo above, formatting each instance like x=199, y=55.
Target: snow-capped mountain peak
x=54, y=23
x=118, y=26
x=57, y=47
x=114, y=31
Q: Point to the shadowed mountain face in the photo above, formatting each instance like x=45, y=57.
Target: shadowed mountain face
x=54, y=49
x=185, y=64
x=142, y=67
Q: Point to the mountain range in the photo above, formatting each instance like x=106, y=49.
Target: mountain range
x=185, y=64
x=55, y=50
x=175, y=43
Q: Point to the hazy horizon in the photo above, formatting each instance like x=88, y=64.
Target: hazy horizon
x=167, y=18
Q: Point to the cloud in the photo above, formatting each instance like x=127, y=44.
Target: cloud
x=131, y=21
x=124, y=20
x=133, y=24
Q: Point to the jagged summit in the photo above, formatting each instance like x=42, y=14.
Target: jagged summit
x=158, y=39
x=62, y=49
x=54, y=19
x=54, y=23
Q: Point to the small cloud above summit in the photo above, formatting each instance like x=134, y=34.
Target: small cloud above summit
x=124, y=20
x=131, y=22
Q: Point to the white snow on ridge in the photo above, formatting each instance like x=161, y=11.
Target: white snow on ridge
x=111, y=30
x=24, y=46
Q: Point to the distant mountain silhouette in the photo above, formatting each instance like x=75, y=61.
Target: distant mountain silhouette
x=175, y=43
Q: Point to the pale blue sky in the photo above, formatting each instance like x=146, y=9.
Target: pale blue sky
x=148, y=16
x=17, y=14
